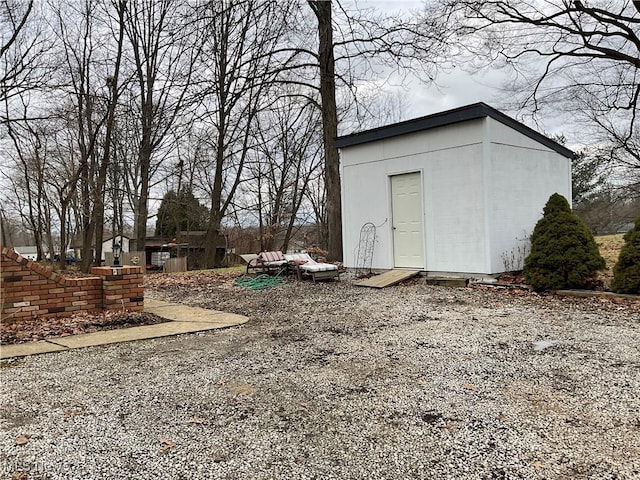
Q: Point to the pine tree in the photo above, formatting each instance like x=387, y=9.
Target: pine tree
x=564, y=253
x=180, y=212
x=626, y=273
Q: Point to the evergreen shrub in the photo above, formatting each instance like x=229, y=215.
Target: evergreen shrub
x=564, y=253
x=626, y=273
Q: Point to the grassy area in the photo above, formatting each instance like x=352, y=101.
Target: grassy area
x=609, y=246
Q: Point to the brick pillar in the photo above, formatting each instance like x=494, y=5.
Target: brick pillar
x=122, y=288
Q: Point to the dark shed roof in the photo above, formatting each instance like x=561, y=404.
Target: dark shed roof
x=449, y=117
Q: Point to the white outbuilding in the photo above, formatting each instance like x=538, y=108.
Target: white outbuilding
x=455, y=192
x=107, y=247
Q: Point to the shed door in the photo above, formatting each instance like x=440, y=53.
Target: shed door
x=406, y=209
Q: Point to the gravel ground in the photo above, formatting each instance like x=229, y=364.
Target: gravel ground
x=336, y=381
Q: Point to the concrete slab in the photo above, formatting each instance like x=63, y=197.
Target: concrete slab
x=132, y=334
x=31, y=348
x=447, y=281
x=150, y=303
x=183, y=319
x=184, y=313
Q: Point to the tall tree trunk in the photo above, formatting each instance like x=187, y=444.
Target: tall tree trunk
x=142, y=208
x=4, y=231
x=144, y=157
x=211, y=238
x=101, y=181
x=322, y=10
x=87, y=225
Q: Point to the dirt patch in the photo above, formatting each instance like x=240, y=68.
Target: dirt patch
x=38, y=328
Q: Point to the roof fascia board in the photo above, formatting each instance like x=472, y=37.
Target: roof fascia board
x=449, y=117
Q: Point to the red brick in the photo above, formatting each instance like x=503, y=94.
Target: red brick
x=16, y=286
x=8, y=270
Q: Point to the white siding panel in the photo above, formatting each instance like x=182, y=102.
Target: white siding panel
x=365, y=199
x=502, y=134
x=482, y=194
x=453, y=206
x=522, y=180
x=360, y=154
x=455, y=216
x=442, y=138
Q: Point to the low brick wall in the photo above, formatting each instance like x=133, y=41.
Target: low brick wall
x=122, y=287
x=28, y=289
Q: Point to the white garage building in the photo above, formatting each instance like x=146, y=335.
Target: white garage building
x=457, y=192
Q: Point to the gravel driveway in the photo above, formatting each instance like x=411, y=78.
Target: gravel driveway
x=336, y=381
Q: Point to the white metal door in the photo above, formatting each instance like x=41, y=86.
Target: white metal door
x=406, y=209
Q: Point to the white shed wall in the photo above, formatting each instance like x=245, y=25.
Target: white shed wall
x=450, y=160
x=522, y=175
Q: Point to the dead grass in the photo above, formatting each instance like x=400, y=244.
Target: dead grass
x=610, y=246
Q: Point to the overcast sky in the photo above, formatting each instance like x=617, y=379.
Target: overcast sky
x=458, y=87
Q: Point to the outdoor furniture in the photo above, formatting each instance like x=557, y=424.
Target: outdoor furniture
x=307, y=266
x=265, y=262
x=248, y=258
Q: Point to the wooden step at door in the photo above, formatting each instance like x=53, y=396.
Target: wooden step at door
x=387, y=279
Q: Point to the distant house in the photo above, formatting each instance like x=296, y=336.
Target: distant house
x=189, y=244
x=30, y=252
x=458, y=191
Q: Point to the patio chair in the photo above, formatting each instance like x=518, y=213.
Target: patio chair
x=265, y=262
x=307, y=266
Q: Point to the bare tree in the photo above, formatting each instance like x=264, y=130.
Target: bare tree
x=582, y=58
x=23, y=42
x=288, y=158
x=27, y=177
x=13, y=21
x=365, y=39
x=238, y=71
x=89, y=74
x=165, y=44
x=326, y=64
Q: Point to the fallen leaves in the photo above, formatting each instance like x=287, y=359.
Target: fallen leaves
x=194, y=280
x=40, y=328
x=196, y=420
x=23, y=439
x=166, y=444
